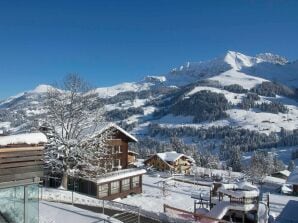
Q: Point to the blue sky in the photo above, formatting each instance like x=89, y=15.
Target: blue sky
x=109, y=42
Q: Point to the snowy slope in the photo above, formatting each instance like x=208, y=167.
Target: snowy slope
x=106, y=92
x=136, y=103
x=239, y=66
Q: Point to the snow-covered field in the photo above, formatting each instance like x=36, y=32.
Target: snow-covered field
x=51, y=212
x=283, y=153
x=235, y=77
x=176, y=194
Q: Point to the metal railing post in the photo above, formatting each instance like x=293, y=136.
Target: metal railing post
x=139, y=216
x=103, y=206
x=72, y=197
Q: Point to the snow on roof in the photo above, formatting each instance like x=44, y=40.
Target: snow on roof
x=120, y=174
x=286, y=189
x=26, y=138
x=107, y=125
x=293, y=178
x=246, y=189
x=172, y=156
x=284, y=172
x=274, y=180
x=132, y=152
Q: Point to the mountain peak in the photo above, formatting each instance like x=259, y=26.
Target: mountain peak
x=238, y=60
x=272, y=58
x=42, y=88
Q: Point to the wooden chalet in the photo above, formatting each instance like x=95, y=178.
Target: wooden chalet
x=122, y=180
x=117, y=143
x=21, y=167
x=170, y=161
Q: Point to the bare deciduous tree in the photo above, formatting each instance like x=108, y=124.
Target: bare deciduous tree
x=72, y=115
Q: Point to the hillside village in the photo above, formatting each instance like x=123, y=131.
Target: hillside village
x=217, y=150
x=166, y=187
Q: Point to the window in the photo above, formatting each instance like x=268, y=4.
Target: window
x=103, y=190
x=125, y=184
x=116, y=149
x=135, y=181
x=115, y=187
x=116, y=163
x=110, y=150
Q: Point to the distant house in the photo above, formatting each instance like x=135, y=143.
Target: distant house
x=170, y=161
x=132, y=157
x=21, y=167
x=293, y=180
x=284, y=174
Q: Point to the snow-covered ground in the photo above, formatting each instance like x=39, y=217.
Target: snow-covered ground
x=235, y=77
x=283, y=153
x=106, y=92
x=50, y=212
x=176, y=194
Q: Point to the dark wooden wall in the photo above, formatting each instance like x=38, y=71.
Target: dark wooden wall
x=21, y=163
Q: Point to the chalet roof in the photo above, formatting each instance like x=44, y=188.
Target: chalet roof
x=168, y=157
x=107, y=125
x=284, y=173
x=172, y=156
x=293, y=178
x=132, y=152
x=26, y=138
x=239, y=190
x=120, y=174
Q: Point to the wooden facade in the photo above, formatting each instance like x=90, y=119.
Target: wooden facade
x=118, y=145
x=119, y=184
x=20, y=163
x=21, y=167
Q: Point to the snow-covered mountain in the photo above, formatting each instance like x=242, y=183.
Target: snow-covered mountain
x=254, y=93
x=265, y=65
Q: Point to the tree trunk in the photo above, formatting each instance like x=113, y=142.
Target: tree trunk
x=64, y=181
